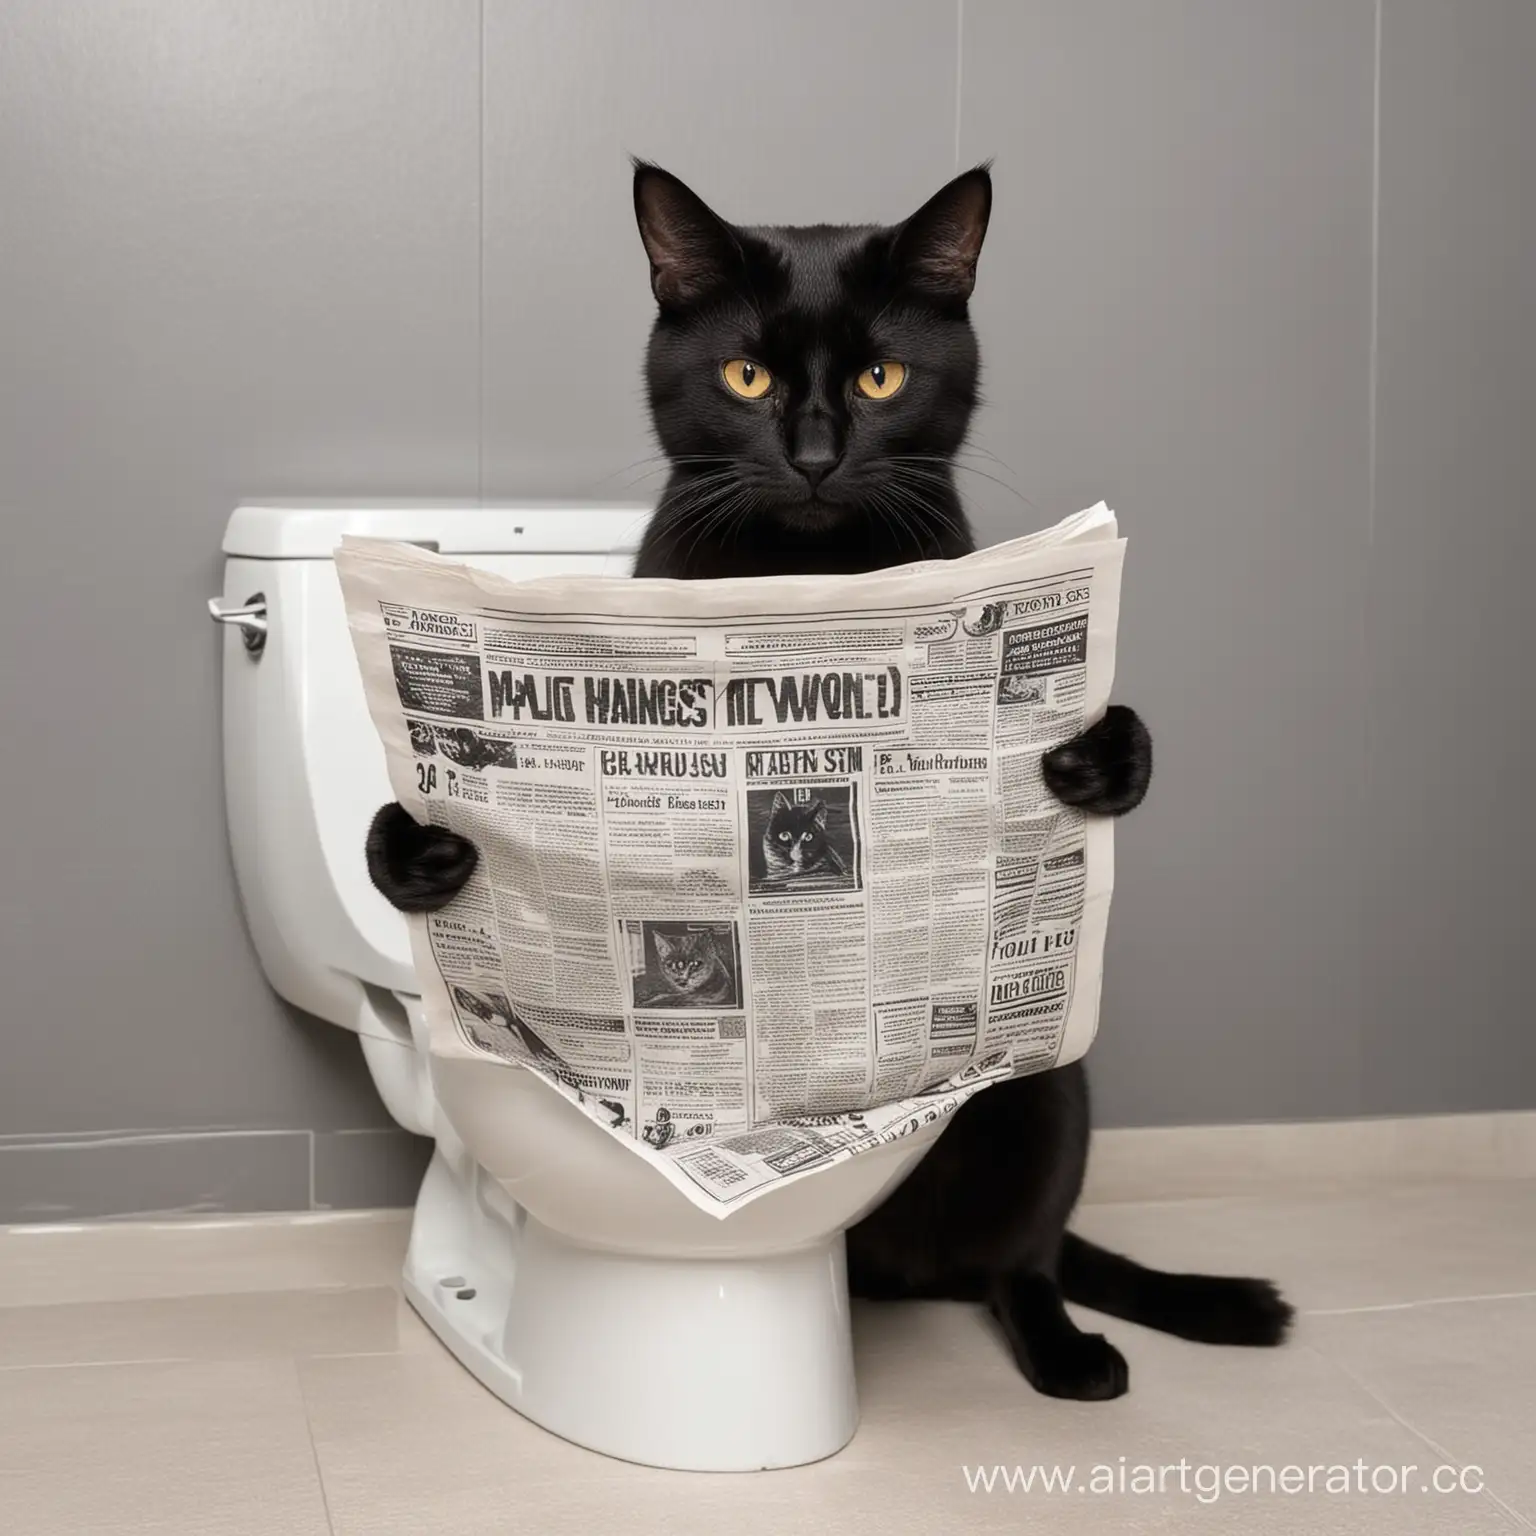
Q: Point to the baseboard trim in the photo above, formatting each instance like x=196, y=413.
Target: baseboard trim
x=151, y=1177
x=1184, y=1162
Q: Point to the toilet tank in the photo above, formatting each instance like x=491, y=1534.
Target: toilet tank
x=303, y=767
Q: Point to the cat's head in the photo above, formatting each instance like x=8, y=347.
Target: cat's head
x=796, y=833
x=827, y=373
x=687, y=959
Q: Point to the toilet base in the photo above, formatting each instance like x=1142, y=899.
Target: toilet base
x=708, y=1365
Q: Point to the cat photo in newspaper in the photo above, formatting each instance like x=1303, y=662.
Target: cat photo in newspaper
x=800, y=841
x=686, y=965
x=795, y=846
x=811, y=389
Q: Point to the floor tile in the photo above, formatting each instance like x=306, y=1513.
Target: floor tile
x=202, y=1425
x=281, y=1325
x=163, y=1450
x=939, y=1395
x=444, y=1445
x=1362, y=1248
x=1462, y=1374
x=112, y=1261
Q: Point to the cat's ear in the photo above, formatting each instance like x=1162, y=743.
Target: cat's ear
x=781, y=803
x=663, y=945
x=819, y=813
x=691, y=249
x=937, y=248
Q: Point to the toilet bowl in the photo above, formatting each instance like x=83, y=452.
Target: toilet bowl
x=565, y=1272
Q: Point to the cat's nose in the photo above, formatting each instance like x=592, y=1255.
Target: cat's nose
x=816, y=466
x=815, y=451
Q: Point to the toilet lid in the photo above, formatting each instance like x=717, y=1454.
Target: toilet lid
x=276, y=531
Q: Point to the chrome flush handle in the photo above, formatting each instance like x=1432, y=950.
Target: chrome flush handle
x=250, y=617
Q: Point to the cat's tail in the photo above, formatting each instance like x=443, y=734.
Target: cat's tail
x=1211, y=1309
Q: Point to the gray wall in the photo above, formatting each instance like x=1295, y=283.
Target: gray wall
x=1262, y=273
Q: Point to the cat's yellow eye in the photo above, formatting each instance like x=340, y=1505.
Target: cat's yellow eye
x=748, y=379
x=881, y=380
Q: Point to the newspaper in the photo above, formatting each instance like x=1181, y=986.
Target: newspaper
x=769, y=875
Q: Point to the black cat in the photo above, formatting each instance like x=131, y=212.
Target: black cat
x=795, y=848
x=812, y=388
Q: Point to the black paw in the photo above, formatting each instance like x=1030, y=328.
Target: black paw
x=1085, y=1367
x=1055, y=1357
x=418, y=868
x=1224, y=1309
x=1107, y=769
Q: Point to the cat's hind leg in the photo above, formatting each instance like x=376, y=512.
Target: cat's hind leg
x=1055, y=1355
x=417, y=868
x=1210, y=1309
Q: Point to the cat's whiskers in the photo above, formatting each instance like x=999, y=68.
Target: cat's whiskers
x=697, y=496
x=701, y=505
x=921, y=461
x=661, y=462
x=883, y=504
x=739, y=522
x=894, y=511
x=986, y=453
x=930, y=512
x=695, y=493
x=891, y=508
x=737, y=500
x=697, y=481
x=906, y=474
x=645, y=474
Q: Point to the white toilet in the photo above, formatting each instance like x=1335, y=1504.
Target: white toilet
x=564, y=1271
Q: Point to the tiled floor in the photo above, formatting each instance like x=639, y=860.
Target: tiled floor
x=264, y=1377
